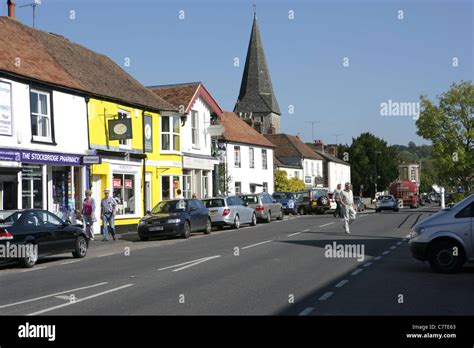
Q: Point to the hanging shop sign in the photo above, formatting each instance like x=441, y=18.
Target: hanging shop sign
x=5, y=108
x=148, y=134
x=120, y=129
x=91, y=160
x=40, y=157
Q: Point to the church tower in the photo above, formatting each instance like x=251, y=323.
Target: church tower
x=257, y=104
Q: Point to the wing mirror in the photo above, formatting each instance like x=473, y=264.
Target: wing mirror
x=66, y=222
x=148, y=212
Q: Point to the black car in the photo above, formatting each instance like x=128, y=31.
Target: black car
x=175, y=217
x=41, y=233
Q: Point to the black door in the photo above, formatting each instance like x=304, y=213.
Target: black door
x=63, y=238
x=196, y=216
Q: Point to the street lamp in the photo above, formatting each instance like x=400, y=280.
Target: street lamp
x=376, y=175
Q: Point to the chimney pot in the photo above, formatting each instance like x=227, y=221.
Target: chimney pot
x=11, y=8
x=319, y=145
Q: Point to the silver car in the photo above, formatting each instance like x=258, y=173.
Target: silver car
x=446, y=239
x=386, y=202
x=230, y=211
x=266, y=207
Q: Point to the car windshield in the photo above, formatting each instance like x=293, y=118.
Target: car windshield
x=385, y=198
x=282, y=195
x=318, y=193
x=170, y=207
x=214, y=203
x=250, y=199
x=9, y=217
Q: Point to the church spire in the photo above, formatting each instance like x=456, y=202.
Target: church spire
x=256, y=94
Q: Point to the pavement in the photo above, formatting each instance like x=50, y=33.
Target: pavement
x=281, y=268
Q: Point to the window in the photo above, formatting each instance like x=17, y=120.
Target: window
x=312, y=168
x=40, y=107
x=124, y=193
x=265, y=187
x=121, y=116
x=253, y=188
x=195, y=128
x=296, y=174
x=32, y=186
x=187, y=183
x=170, y=129
x=169, y=187
x=251, y=158
x=237, y=156
x=238, y=187
x=306, y=168
x=467, y=212
x=264, y=159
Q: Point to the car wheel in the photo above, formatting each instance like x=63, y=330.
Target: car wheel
x=236, y=224
x=280, y=217
x=32, y=257
x=143, y=238
x=254, y=220
x=186, y=230
x=208, y=227
x=442, y=259
x=269, y=217
x=377, y=210
x=396, y=210
x=80, y=249
x=302, y=211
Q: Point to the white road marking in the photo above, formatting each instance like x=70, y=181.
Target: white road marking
x=196, y=263
x=399, y=243
x=52, y=295
x=32, y=269
x=307, y=311
x=386, y=252
x=367, y=264
x=378, y=258
x=341, y=283
x=357, y=271
x=408, y=235
x=253, y=245
x=68, y=262
x=80, y=300
x=294, y=234
x=327, y=224
x=307, y=230
x=326, y=296
x=393, y=247
x=184, y=263
x=63, y=297
x=106, y=255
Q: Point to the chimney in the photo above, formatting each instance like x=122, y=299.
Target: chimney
x=11, y=8
x=319, y=145
x=331, y=149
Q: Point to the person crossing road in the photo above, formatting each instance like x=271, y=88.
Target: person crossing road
x=337, y=198
x=347, y=202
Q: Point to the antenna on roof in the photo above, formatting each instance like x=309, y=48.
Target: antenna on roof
x=33, y=5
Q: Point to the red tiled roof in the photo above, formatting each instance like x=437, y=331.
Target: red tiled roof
x=179, y=95
x=55, y=60
x=237, y=130
x=291, y=146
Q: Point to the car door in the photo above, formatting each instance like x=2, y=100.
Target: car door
x=204, y=212
x=64, y=238
x=31, y=225
x=245, y=212
x=275, y=206
x=196, y=215
x=463, y=227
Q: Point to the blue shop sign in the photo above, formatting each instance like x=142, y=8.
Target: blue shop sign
x=40, y=157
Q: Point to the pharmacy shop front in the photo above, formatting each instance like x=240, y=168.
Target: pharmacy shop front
x=42, y=180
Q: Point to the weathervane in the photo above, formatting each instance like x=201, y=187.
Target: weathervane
x=254, y=10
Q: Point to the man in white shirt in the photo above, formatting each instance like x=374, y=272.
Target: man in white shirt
x=347, y=203
x=337, y=199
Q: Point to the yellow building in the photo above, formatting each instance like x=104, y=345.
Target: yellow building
x=142, y=168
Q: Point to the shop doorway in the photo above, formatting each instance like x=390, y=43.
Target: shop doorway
x=97, y=195
x=8, y=195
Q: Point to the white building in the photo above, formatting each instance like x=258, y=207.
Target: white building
x=293, y=154
x=194, y=101
x=292, y=171
x=336, y=171
x=246, y=157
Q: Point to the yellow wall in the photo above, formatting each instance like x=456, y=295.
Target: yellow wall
x=98, y=136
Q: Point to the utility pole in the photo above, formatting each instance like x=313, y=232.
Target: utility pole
x=376, y=175
x=312, y=129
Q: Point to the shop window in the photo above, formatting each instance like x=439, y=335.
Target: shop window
x=170, y=129
x=187, y=184
x=124, y=193
x=40, y=107
x=165, y=188
x=32, y=186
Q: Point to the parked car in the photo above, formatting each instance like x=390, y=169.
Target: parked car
x=446, y=238
x=359, y=204
x=386, y=202
x=175, y=217
x=288, y=201
x=232, y=211
x=314, y=200
x=44, y=233
x=265, y=206
x=332, y=201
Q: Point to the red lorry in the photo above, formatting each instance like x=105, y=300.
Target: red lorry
x=405, y=190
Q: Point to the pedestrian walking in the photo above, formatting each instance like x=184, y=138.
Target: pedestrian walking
x=88, y=214
x=347, y=203
x=108, y=206
x=337, y=198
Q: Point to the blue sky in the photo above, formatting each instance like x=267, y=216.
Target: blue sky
x=389, y=58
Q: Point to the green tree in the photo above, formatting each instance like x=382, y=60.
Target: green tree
x=450, y=127
x=281, y=180
x=295, y=184
x=372, y=162
x=224, y=179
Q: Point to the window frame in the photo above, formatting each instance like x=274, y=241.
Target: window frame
x=237, y=155
x=171, y=134
x=195, y=129
x=49, y=101
x=251, y=157
x=264, y=159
